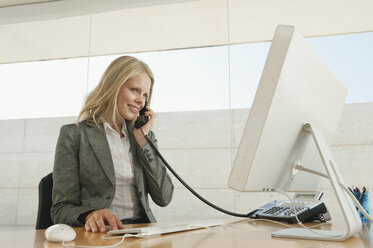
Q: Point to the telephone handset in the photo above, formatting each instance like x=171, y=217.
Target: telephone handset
x=142, y=119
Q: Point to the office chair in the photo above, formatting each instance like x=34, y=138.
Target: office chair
x=45, y=202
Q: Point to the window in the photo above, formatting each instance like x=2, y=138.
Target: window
x=207, y=78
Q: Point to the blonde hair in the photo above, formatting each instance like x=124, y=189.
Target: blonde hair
x=101, y=104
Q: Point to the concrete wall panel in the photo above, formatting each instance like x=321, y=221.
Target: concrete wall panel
x=200, y=157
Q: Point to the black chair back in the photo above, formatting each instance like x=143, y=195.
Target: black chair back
x=44, y=219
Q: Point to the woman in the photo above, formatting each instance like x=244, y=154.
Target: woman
x=104, y=168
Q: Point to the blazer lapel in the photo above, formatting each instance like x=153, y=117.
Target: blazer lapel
x=100, y=145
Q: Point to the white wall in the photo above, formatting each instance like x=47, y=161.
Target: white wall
x=199, y=145
x=164, y=26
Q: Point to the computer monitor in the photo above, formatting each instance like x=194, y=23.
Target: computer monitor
x=296, y=88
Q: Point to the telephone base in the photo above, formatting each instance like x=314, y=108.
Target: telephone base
x=316, y=234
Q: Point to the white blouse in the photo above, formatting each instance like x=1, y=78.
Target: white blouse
x=126, y=203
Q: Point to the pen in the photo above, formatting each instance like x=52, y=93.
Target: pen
x=355, y=192
x=358, y=193
x=351, y=190
x=363, y=195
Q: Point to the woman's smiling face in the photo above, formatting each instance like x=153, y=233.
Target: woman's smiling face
x=132, y=95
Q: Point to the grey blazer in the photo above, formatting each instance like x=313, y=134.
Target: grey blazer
x=84, y=177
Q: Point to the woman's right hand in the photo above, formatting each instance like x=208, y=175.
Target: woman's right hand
x=96, y=220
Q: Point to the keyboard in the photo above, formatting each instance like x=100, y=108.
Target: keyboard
x=164, y=228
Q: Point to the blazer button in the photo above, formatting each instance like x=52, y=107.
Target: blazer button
x=107, y=197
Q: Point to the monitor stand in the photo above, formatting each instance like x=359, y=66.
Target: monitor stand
x=345, y=202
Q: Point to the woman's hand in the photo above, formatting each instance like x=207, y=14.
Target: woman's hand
x=96, y=220
x=146, y=128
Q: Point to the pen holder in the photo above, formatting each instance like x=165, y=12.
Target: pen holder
x=365, y=202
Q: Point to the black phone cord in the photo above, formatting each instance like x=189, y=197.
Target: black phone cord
x=187, y=186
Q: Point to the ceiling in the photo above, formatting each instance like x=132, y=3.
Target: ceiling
x=9, y=3
x=18, y=11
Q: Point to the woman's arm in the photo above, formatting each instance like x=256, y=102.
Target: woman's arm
x=159, y=182
x=160, y=185
x=66, y=205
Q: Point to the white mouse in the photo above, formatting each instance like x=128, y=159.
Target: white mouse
x=59, y=233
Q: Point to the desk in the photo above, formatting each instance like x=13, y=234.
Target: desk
x=253, y=234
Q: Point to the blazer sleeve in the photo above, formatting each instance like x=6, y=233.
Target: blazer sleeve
x=66, y=206
x=160, y=185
